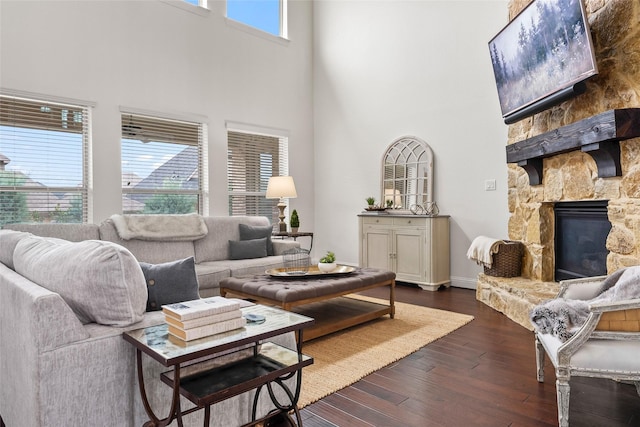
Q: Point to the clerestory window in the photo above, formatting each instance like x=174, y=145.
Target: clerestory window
x=267, y=15
x=251, y=160
x=162, y=165
x=201, y=3
x=44, y=161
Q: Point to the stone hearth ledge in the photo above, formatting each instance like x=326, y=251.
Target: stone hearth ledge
x=514, y=296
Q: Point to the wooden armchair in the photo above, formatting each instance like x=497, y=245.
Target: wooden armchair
x=606, y=346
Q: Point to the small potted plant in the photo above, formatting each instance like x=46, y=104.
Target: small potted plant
x=294, y=221
x=389, y=203
x=327, y=263
x=371, y=201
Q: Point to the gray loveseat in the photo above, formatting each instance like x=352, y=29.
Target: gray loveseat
x=64, y=306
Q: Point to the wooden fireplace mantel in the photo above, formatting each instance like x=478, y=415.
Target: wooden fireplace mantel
x=599, y=136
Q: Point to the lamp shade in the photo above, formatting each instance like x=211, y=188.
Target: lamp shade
x=281, y=187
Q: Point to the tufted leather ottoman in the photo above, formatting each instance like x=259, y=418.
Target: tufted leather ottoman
x=322, y=298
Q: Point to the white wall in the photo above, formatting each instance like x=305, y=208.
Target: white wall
x=354, y=76
x=384, y=69
x=165, y=57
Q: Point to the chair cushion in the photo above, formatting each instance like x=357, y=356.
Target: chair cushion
x=101, y=281
x=597, y=355
x=170, y=282
x=245, y=249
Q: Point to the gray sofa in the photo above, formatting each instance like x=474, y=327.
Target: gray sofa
x=211, y=252
x=64, y=306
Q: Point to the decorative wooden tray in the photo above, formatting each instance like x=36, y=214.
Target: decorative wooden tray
x=313, y=271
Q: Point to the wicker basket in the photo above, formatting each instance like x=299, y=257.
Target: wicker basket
x=507, y=262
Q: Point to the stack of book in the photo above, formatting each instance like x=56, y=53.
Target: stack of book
x=199, y=318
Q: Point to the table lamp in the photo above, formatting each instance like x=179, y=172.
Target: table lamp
x=281, y=187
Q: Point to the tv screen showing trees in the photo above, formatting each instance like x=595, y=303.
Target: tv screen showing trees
x=543, y=50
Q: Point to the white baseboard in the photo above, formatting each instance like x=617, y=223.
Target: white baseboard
x=464, y=282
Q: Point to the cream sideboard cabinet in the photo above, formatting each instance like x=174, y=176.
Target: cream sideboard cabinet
x=415, y=247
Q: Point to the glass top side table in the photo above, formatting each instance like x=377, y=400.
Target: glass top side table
x=269, y=364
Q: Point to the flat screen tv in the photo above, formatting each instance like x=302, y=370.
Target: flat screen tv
x=542, y=57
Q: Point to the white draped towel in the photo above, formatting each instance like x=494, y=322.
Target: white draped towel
x=482, y=249
x=160, y=227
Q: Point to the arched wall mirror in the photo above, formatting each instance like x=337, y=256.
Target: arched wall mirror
x=407, y=173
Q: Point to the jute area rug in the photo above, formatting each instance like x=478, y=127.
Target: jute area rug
x=342, y=358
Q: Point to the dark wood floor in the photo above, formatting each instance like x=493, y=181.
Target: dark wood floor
x=483, y=374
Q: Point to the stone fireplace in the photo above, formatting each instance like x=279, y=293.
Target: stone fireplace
x=575, y=175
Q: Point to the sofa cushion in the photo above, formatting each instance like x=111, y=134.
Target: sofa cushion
x=209, y=276
x=8, y=241
x=251, y=267
x=170, y=282
x=70, y=232
x=246, y=249
x=251, y=232
x=148, y=251
x=101, y=281
x=214, y=246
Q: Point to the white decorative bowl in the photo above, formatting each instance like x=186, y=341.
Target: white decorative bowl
x=327, y=267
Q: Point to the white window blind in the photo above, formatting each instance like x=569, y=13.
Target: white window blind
x=43, y=161
x=162, y=164
x=252, y=159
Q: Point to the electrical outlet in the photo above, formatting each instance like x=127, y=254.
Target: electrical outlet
x=490, y=185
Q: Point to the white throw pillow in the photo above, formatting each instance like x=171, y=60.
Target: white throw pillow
x=101, y=281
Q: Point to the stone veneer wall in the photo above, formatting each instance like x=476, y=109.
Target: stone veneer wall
x=615, y=29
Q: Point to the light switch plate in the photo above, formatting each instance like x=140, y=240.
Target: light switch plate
x=490, y=185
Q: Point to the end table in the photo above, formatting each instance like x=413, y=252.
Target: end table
x=294, y=236
x=270, y=364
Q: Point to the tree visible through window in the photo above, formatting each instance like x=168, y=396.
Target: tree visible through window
x=43, y=161
x=162, y=164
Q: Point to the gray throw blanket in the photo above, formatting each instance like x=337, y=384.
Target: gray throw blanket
x=563, y=317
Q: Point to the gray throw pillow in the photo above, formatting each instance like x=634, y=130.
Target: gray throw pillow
x=170, y=282
x=251, y=232
x=246, y=249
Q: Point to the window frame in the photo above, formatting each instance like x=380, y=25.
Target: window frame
x=148, y=118
x=202, y=9
x=85, y=189
x=283, y=35
x=282, y=162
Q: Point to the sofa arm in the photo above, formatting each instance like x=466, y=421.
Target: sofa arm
x=280, y=246
x=36, y=316
x=33, y=321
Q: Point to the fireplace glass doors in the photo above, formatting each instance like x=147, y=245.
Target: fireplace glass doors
x=581, y=230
